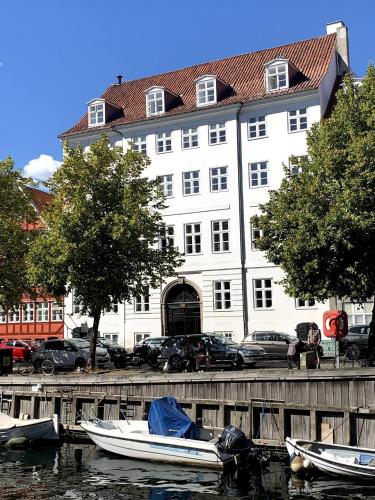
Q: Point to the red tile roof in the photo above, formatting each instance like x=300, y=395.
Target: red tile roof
x=245, y=74
x=39, y=198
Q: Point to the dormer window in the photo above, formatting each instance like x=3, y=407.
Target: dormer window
x=279, y=73
x=155, y=102
x=206, y=91
x=96, y=113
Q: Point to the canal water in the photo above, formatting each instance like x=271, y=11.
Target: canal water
x=84, y=472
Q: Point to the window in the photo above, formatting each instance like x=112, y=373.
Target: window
x=206, y=92
x=358, y=314
x=138, y=336
x=304, y=304
x=257, y=127
x=42, y=311
x=166, y=241
x=192, y=239
x=189, y=138
x=96, y=114
x=28, y=312
x=77, y=306
x=113, y=337
x=112, y=309
x=226, y=334
x=57, y=311
x=255, y=235
x=222, y=299
x=142, y=303
x=258, y=174
x=191, y=182
x=155, y=102
x=164, y=142
x=166, y=185
x=294, y=165
x=217, y=133
x=220, y=236
x=3, y=315
x=297, y=120
x=14, y=314
x=262, y=293
x=219, y=178
x=139, y=144
x=277, y=77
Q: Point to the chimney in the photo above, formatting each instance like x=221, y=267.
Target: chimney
x=342, y=45
x=119, y=79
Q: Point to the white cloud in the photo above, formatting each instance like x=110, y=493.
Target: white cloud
x=41, y=168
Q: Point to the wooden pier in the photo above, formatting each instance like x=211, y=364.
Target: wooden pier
x=336, y=405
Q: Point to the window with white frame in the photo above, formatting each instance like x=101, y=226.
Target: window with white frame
x=190, y=138
x=77, y=306
x=206, y=92
x=142, y=303
x=257, y=127
x=256, y=233
x=3, y=315
x=219, y=178
x=226, y=334
x=139, y=144
x=277, y=77
x=305, y=303
x=258, y=174
x=220, y=236
x=297, y=120
x=96, y=114
x=192, y=239
x=155, y=102
x=57, y=311
x=14, y=314
x=42, y=311
x=222, y=295
x=166, y=185
x=166, y=241
x=262, y=293
x=295, y=166
x=113, y=337
x=28, y=312
x=138, y=336
x=217, y=133
x=164, y=142
x=191, y=182
x=112, y=309
x=358, y=314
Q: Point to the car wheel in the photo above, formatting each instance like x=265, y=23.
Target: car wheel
x=237, y=362
x=175, y=362
x=153, y=361
x=80, y=363
x=120, y=361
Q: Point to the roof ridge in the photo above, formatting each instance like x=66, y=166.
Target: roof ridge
x=217, y=60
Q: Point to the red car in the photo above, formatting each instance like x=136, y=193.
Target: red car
x=21, y=350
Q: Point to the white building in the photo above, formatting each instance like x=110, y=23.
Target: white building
x=218, y=135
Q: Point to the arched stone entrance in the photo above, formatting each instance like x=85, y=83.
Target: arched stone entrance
x=182, y=310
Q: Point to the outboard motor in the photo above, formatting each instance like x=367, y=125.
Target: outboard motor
x=235, y=442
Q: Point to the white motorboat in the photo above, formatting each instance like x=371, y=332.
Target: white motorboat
x=168, y=436
x=337, y=459
x=31, y=429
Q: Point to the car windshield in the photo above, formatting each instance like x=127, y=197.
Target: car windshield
x=81, y=343
x=222, y=339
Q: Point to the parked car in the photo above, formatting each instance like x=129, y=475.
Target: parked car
x=275, y=344
x=153, y=342
x=357, y=339
x=114, y=349
x=223, y=351
x=21, y=350
x=67, y=354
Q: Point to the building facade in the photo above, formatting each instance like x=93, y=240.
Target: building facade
x=219, y=136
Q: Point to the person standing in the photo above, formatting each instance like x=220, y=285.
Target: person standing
x=202, y=355
x=314, y=338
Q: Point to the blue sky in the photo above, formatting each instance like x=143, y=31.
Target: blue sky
x=56, y=55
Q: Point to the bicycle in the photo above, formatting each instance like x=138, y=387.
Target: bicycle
x=353, y=355
x=46, y=367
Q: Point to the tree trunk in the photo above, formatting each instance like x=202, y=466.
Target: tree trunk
x=93, y=340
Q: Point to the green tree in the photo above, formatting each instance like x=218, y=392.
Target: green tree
x=15, y=210
x=103, y=228
x=320, y=225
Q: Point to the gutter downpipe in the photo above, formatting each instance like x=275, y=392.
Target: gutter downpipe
x=245, y=314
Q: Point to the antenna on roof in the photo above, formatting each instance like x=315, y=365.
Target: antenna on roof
x=119, y=78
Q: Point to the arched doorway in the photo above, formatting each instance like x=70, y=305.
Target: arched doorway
x=182, y=310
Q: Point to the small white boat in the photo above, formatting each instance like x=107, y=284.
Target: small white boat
x=31, y=429
x=171, y=437
x=337, y=459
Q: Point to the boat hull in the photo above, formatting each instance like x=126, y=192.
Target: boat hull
x=332, y=466
x=34, y=431
x=144, y=446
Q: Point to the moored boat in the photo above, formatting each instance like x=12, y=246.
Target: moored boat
x=31, y=429
x=169, y=435
x=336, y=459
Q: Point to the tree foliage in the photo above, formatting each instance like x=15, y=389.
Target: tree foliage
x=15, y=210
x=103, y=228
x=320, y=225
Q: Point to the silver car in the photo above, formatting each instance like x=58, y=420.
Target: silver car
x=68, y=354
x=275, y=344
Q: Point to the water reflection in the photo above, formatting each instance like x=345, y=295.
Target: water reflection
x=82, y=472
